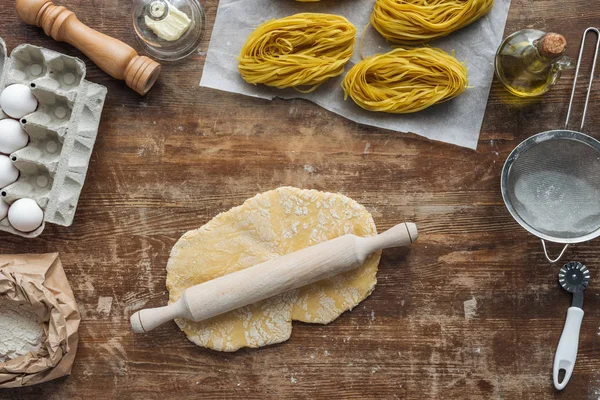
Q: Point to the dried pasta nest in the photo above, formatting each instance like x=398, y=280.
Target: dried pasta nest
x=405, y=80
x=300, y=51
x=418, y=21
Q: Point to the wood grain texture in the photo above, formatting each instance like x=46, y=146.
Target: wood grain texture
x=473, y=310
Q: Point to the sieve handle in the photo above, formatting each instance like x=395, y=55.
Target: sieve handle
x=562, y=253
x=589, y=88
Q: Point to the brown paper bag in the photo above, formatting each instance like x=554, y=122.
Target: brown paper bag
x=39, y=279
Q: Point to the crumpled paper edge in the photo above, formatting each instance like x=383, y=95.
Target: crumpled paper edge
x=40, y=280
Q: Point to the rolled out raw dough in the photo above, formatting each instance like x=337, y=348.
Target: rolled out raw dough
x=267, y=226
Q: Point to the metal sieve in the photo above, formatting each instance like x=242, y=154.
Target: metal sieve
x=551, y=181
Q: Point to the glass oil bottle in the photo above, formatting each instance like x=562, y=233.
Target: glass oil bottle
x=529, y=62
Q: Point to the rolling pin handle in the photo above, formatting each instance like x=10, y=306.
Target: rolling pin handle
x=400, y=235
x=146, y=320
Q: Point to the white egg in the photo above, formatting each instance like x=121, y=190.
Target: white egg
x=17, y=101
x=8, y=172
x=25, y=215
x=12, y=136
x=3, y=209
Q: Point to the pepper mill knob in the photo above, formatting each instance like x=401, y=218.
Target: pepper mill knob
x=29, y=9
x=114, y=57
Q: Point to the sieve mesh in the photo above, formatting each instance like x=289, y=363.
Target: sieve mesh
x=553, y=185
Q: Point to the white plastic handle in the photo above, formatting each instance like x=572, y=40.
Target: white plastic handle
x=566, y=352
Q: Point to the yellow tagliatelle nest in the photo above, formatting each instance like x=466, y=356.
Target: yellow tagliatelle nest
x=405, y=81
x=417, y=21
x=300, y=50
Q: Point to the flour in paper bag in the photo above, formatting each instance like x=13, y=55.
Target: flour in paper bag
x=20, y=331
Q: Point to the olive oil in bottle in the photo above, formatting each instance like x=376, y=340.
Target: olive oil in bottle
x=529, y=62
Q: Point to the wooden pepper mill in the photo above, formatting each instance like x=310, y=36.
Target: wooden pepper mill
x=113, y=56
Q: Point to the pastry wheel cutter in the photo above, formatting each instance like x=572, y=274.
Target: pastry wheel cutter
x=574, y=278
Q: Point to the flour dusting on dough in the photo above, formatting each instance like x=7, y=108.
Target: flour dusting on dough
x=265, y=227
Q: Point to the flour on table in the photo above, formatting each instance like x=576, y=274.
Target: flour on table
x=470, y=308
x=20, y=331
x=265, y=227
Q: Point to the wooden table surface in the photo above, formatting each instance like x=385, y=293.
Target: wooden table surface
x=472, y=311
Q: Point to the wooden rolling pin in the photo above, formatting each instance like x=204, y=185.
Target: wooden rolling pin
x=273, y=277
x=114, y=57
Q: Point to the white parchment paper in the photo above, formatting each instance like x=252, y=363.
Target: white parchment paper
x=457, y=121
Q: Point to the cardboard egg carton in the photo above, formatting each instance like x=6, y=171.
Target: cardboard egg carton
x=62, y=131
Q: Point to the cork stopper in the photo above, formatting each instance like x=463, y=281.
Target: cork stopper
x=552, y=45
